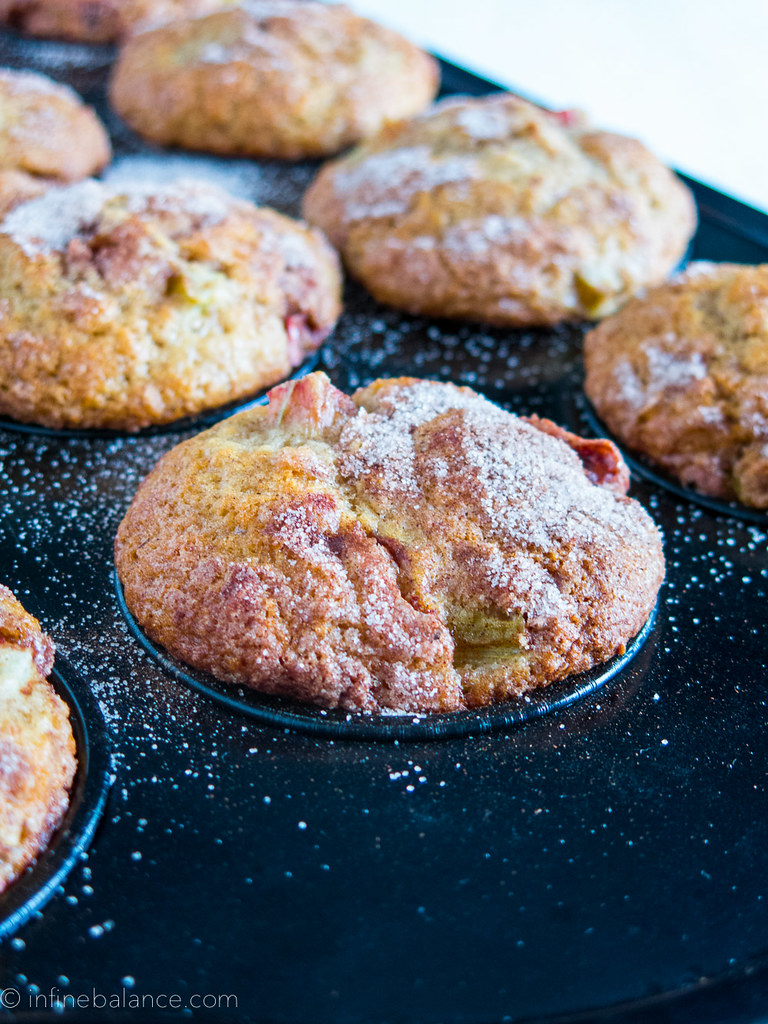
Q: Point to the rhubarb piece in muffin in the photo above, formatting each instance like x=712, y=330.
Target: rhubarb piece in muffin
x=37, y=748
x=681, y=377
x=410, y=548
x=123, y=309
x=271, y=78
x=48, y=136
x=498, y=211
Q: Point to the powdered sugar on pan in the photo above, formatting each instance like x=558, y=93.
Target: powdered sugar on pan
x=241, y=178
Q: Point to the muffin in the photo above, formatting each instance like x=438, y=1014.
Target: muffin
x=47, y=136
x=37, y=749
x=412, y=548
x=497, y=211
x=95, y=21
x=681, y=377
x=271, y=78
x=124, y=309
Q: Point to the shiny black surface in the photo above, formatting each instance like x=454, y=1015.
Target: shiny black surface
x=610, y=855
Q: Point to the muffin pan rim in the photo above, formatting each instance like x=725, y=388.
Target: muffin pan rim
x=197, y=422
x=37, y=883
x=402, y=727
x=639, y=467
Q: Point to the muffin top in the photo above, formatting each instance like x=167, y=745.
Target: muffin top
x=681, y=376
x=96, y=21
x=411, y=548
x=496, y=210
x=37, y=749
x=47, y=135
x=274, y=78
x=126, y=308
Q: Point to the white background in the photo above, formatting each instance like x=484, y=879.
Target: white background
x=688, y=78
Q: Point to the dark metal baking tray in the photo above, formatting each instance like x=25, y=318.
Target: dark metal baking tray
x=605, y=862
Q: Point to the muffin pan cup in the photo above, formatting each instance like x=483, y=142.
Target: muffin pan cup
x=38, y=882
x=336, y=722
x=200, y=421
x=603, y=862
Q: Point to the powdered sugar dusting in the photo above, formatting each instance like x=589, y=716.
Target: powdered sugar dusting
x=50, y=222
x=198, y=199
x=383, y=184
x=516, y=575
x=475, y=238
x=216, y=53
x=21, y=83
x=483, y=121
x=525, y=490
x=630, y=387
x=254, y=42
x=384, y=438
x=277, y=8
x=696, y=270
x=140, y=170
x=667, y=370
x=292, y=246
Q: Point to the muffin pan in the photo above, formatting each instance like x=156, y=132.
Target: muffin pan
x=604, y=862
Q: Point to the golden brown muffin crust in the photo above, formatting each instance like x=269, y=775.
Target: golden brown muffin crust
x=47, y=136
x=37, y=749
x=122, y=309
x=493, y=209
x=681, y=376
x=273, y=78
x=17, y=187
x=411, y=548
